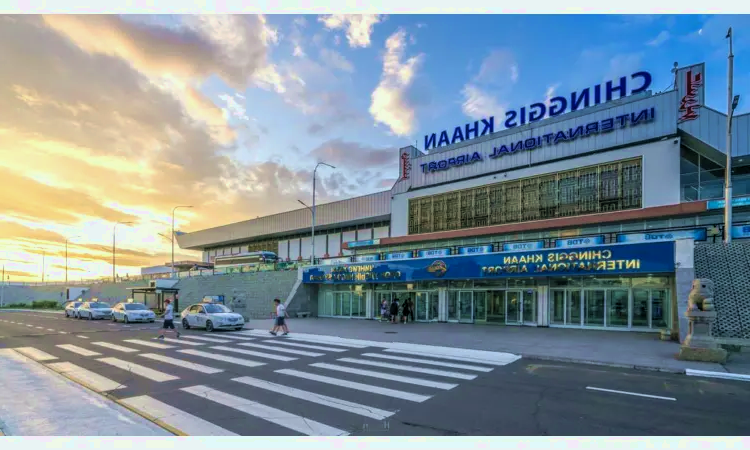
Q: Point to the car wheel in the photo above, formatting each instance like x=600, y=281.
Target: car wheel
x=238, y=329
x=126, y=320
x=114, y=318
x=209, y=326
x=90, y=317
x=185, y=324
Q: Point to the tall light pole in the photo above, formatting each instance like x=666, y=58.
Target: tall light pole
x=732, y=101
x=173, y=210
x=114, y=232
x=66, y=256
x=315, y=171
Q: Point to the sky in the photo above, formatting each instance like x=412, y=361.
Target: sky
x=108, y=119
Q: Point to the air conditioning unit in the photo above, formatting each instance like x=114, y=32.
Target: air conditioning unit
x=152, y=283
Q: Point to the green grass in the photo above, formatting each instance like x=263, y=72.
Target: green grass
x=43, y=304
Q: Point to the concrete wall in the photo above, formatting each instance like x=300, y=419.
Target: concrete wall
x=28, y=294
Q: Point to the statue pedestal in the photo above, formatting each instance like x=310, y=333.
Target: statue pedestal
x=699, y=344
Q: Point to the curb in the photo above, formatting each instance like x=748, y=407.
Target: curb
x=114, y=399
x=722, y=375
x=606, y=364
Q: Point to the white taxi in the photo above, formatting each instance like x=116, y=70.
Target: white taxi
x=211, y=316
x=132, y=312
x=94, y=310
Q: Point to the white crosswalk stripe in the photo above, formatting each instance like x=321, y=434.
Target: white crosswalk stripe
x=282, y=350
x=35, y=354
x=151, y=374
x=386, y=376
x=429, y=362
x=235, y=336
x=283, y=343
x=318, y=339
x=80, y=336
x=148, y=344
x=453, y=358
x=119, y=348
x=181, y=341
x=201, y=338
x=86, y=377
x=440, y=373
x=180, y=363
x=276, y=416
x=253, y=353
x=217, y=357
x=79, y=350
x=186, y=423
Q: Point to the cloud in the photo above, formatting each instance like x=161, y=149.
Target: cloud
x=389, y=104
x=233, y=108
x=497, y=72
x=336, y=60
x=659, y=39
x=352, y=155
x=358, y=26
x=550, y=93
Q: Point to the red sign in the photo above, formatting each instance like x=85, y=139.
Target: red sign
x=689, y=104
x=405, y=165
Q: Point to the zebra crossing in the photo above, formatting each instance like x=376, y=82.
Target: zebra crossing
x=290, y=382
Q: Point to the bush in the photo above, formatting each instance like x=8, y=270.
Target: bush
x=46, y=304
x=16, y=306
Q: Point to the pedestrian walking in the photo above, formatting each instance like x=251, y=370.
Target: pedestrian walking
x=168, y=320
x=384, y=310
x=280, y=316
x=394, y=310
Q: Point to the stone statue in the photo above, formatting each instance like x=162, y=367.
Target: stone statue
x=701, y=297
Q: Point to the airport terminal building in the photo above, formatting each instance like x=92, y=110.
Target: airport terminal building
x=565, y=213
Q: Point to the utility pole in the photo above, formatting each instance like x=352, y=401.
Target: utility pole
x=732, y=102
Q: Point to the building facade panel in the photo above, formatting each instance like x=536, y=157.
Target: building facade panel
x=283, y=249
x=294, y=249
x=334, y=244
x=711, y=127
x=348, y=236
x=380, y=232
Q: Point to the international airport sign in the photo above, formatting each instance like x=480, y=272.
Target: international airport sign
x=607, y=125
x=535, y=112
x=618, y=259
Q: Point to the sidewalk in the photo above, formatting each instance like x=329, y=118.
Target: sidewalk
x=611, y=348
x=35, y=401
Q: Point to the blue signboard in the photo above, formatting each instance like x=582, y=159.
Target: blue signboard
x=736, y=201
x=479, y=249
x=606, y=260
x=565, y=135
x=741, y=231
x=516, y=246
x=537, y=111
x=699, y=234
x=367, y=258
x=434, y=253
x=368, y=243
x=586, y=241
x=398, y=255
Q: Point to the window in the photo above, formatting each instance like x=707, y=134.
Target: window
x=608, y=187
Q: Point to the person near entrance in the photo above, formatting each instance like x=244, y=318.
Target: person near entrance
x=280, y=315
x=408, y=310
x=394, y=310
x=168, y=320
x=384, y=310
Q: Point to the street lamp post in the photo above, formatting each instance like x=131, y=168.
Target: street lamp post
x=66, y=256
x=732, y=102
x=173, y=210
x=114, y=232
x=315, y=171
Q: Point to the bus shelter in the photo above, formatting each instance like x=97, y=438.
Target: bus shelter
x=153, y=297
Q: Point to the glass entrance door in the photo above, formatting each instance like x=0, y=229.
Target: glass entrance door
x=480, y=306
x=422, y=305
x=593, y=308
x=513, y=301
x=465, y=307
x=528, y=307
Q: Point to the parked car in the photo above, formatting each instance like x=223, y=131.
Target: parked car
x=71, y=309
x=132, y=312
x=211, y=316
x=95, y=310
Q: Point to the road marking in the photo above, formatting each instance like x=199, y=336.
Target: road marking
x=252, y=353
x=200, y=338
x=282, y=350
x=82, y=336
x=453, y=358
x=721, y=375
x=330, y=340
x=86, y=377
x=148, y=344
x=234, y=336
x=137, y=369
x=276, y=416
x=115, y=347
x=79, y=350
x=386, y=376
x=181, y=363
x=631, y=393
x=343, y=405
x=440, y=373
x=30, y=326
x=176, y=418
x=229, y=359
x=429, y=362
x=41, y=328
x=63, y=332
x=35, y=354
x=180, y=341
x=356, y=386
x=50, y=329
x=312, y=347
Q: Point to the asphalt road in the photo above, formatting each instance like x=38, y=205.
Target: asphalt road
x=307, y=389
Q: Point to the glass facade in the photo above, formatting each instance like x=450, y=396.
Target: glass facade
x=703, y=179
x=602, y=188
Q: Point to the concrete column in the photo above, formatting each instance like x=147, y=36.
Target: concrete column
x=369, y=299
x=542, y=306
x=442, y=304
x=684, y=276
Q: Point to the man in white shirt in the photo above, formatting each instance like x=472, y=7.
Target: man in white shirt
x=168, y=319
x=280, y=315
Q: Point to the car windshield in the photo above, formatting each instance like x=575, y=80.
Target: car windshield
x=76, y=305
x=213, y=309
x=98, y=305
x=135, y=306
